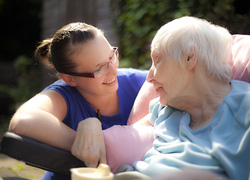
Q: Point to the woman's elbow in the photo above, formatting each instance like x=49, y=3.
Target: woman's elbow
x=18, y=123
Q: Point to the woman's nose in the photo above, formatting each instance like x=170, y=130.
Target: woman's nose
x=150, y=75
x=112, y=68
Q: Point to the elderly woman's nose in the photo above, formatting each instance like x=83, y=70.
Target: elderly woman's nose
x=150, y=75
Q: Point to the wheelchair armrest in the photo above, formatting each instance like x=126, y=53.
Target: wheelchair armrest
x=38, y=154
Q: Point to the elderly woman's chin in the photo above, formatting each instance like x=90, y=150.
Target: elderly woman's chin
x=163, y=101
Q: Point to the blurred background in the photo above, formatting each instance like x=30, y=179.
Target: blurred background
x=129, y=24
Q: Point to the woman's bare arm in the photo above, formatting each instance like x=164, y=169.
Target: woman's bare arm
x=41, y=118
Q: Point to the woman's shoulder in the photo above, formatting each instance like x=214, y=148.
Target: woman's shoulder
x=57, y=85
x=238, y=101
x=131, y=71
x=132, y=76
x=239, y=83
x=68, y=92
x=239, y=89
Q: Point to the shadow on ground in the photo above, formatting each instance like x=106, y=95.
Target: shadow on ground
x=11, y=169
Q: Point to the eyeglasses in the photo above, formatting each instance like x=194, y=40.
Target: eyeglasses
x=98, y=73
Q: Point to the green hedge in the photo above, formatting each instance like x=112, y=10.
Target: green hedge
x=28, y=82
x=136, y=22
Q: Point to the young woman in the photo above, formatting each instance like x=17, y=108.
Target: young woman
x=92, y=95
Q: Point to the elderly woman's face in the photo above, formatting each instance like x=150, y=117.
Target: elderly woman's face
x=169, y=78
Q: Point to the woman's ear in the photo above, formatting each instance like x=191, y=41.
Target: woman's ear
x=191, y=59
x=68, y=79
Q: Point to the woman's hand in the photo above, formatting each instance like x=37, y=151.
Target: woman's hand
x=89, y=144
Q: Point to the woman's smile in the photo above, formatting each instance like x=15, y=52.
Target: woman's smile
x=111, y=82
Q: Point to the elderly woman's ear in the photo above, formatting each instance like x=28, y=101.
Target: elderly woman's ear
x=191, y=60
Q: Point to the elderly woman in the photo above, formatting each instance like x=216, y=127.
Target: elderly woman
x=202, y=117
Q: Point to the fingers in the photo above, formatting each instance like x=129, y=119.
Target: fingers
x=89, y=144
x=103, y=157
x=94, y=158
x=91, y=159
x=85, y=150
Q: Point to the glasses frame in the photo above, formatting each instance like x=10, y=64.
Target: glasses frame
x=94, y=74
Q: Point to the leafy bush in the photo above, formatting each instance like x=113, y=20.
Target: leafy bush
x=28, y=81
x=136, y=22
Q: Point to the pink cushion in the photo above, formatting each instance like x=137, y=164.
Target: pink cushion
x=141, y=105
x=127, y=144
x=241, y=57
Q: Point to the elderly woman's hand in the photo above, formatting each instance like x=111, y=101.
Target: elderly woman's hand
x=89, y=144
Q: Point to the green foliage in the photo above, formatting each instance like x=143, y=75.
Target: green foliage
x=28, y=84
x=137, y=21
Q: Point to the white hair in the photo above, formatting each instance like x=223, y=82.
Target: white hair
x=213, y=44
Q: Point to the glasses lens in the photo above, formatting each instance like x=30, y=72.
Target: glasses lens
x=112, y=60
x=115, y=56
x=98, y=73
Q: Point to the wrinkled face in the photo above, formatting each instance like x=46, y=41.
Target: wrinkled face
x=90, y=57
x=169, y=78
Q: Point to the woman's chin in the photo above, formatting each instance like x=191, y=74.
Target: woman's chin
x=163, y=101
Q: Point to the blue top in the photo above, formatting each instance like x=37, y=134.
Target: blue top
x=223, y=146
x=78, y=109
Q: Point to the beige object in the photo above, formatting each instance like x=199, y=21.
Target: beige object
x=102, y=172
